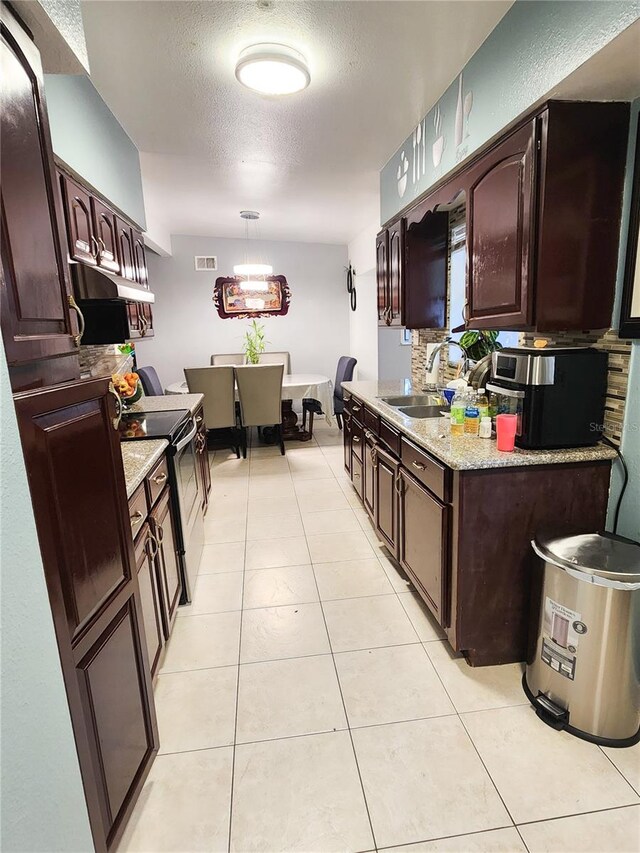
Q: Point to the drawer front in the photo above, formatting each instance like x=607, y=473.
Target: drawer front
x=157, y=480
x=357, y=439
x=138, y=510
x=390, y=436
x=357, y=410
x=432, y=474
x=371, y=420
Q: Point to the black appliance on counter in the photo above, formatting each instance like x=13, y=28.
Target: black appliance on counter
x=179, y=428
x=558, y=394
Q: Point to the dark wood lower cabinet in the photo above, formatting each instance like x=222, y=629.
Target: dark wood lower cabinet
x=167, y=560
x=423, y=544
x=369, y=473
x=356, y=474
x=386, y=505
x=346, y=440
x=74, y=466
x=146, y=549
x=202, y=449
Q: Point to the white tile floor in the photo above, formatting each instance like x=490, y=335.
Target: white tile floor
x=307, y=701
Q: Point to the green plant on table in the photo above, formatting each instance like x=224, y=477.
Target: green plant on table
x=254, y=342
x=480, y=343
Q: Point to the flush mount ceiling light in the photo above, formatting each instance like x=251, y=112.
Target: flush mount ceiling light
x=253, y=272
x=273, y=69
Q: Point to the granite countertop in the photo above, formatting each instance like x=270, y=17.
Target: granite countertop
x=138, y=458
x=168, y=403
x=434, y=435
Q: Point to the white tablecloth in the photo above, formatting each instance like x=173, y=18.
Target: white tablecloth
x=295, y=386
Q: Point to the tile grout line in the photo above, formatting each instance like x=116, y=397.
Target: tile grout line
x=346, y=713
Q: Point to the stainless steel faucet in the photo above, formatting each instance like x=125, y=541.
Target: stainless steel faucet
x=432, y=358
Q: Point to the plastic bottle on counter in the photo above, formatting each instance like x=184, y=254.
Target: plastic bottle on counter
x=485, y=427
x=482, y=403
x=471, y=415
x=458, y=406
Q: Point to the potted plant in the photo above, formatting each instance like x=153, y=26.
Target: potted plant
x=254, y=342
x=479, y=344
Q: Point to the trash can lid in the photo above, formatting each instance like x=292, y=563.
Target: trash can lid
x=600, y=554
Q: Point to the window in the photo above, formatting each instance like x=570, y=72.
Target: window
x=457, y=292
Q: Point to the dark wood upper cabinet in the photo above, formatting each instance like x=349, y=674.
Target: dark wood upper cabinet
x=396, y=272
x=74, y=466
x=382, y=276
x=501, y=233
x=83, y=245
x=37, y=324
x=140, y=259
x=425, y=271
x=105, y=230
x=126, y=249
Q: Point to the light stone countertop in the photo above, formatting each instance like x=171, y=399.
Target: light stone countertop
x=434, y=435
x=138, y=458
x=168, y=403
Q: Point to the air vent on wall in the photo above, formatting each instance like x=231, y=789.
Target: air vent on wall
x=206, y=263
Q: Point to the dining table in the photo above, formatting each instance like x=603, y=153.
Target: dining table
x=295, y=386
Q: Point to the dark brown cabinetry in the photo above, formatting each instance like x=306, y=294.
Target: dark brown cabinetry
x=390, y=273
x=126, y=249
x=202, y=449
x=346, y=437
x=543, y=208
x=37, y=325
x=140, y=258
x=423, y=541
x=104, y=225
x=146, y=550
x=161, y=524
x=74, y=466
x=463, y=537
x=83, y=245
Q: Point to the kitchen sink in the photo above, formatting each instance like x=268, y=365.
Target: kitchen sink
x=414, y=400
x=422, y=411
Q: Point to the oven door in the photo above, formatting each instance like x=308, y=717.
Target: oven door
x=506, y=401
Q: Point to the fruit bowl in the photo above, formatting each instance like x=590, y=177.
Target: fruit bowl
x=128, y=388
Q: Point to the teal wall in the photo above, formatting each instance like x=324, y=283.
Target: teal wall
x=532, y=49
x=88, y=138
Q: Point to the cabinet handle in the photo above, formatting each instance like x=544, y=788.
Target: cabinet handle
x=374, y=457
x=96, y=248
x=355, y=408
x=198, y=419
x=159, y=534
x=419, y=465
x=144, y=325
x=116, y=420
x=103, y=245
x=355, y=439
x=153, y=552
x=160, y=479
x=465, y=310
x=399, y=485
x=136, y=517
x=81, y=324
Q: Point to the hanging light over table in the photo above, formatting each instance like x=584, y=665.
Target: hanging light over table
x=252, y=271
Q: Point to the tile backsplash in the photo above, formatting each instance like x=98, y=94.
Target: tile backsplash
x=619, y=351
x=103, y=360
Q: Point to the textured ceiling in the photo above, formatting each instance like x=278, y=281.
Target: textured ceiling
x=309, y=162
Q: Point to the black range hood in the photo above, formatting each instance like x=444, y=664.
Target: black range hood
x=91, y=283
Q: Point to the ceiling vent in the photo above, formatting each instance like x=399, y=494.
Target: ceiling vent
x=206, y=263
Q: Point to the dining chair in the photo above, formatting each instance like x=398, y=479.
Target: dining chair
x=283, y=358
x=233, y=358
x=150, y=380
x=344, y=373
x=260, y=393
x=218, y=386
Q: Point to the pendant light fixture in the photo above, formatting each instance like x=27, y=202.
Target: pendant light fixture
x=253, y=270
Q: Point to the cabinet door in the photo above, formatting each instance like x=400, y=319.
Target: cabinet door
x=105, y=230
x=501, y=234
x=34, y=287
x=382, y=276
x=396, y=271
x=140, y=258
x=126, y=250
x=346, y=440
x=423, y=544
x=83, y=245
x=386, y=499
x=136, y=320
x=146, y=548
x=369, y=474
x=145, y=319
x=356, y=474
x=167, y=560
x=424, y=301
x=74, y=466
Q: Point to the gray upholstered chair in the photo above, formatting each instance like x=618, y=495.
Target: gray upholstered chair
x=283, y=358
x=260, y=392
x=218, y=386
x=232, y=358
x=150, y=380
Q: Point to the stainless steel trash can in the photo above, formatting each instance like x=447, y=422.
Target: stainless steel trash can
x=583, y=667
